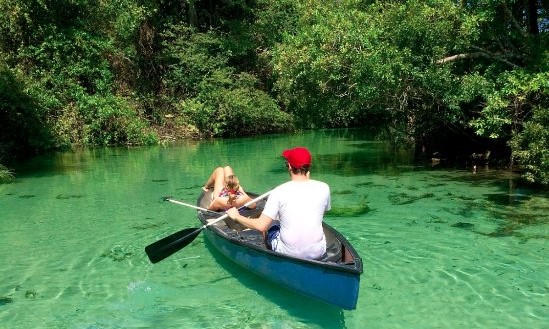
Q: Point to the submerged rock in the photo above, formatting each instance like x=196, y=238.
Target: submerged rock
x=465, y=226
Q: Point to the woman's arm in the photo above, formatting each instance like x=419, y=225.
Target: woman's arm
x=244, y=197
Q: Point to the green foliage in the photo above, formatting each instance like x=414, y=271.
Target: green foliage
x=234, y=107
x=369, y=65
x=103, y=120
x=273, y=20
x=530, y=145
x=314, y=68
x=76, y=81
x=210, y=95
x=23, y=127
x=67, y=53
x=189, y=56
x=511, y=103
x=85, y=73
x=414, y=68
x=6, y=175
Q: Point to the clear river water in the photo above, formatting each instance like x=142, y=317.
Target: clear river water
x=442, y=247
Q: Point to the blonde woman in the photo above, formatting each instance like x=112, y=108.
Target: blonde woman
x=227, y=191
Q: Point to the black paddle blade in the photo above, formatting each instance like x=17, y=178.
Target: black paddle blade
x=165, y=247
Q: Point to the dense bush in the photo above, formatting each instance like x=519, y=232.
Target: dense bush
x=209, y=93
x=421, y=71
x=234, y=108
x=22, y=116
x=530, y=144
x=85, y=73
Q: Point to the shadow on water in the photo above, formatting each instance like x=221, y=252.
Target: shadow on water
x=68, y=162
x=59, y=163
x=306, y=309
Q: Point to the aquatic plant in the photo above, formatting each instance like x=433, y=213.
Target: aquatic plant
x=343, y=192
x=5, y=300
x=403, y=198
x=69, y=196
x=464, y=225
x=360, y=208
x=31, y=294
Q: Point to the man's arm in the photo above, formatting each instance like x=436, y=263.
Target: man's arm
x=260, y=224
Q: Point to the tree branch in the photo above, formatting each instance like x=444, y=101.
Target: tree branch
x=457, y=57
x=513, y=20
x=484, y=54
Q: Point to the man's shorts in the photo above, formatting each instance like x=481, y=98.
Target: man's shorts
x=271, y=238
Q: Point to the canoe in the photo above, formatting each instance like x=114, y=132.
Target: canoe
x=334, y=279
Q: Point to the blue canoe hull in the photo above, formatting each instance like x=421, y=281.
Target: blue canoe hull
x=334, y=280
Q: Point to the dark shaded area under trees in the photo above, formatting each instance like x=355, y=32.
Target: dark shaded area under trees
x=456, y=79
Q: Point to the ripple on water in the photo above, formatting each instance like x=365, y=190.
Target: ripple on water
x=441, y=248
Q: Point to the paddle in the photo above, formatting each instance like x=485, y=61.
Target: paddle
x=169, y=198
x=167, y=246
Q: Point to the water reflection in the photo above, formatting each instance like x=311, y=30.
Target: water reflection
x=303, y=308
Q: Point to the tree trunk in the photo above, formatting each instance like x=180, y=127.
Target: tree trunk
x=193, y=18
x=532, y=15
x=545, y=5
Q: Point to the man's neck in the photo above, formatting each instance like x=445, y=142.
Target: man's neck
x=299, y=177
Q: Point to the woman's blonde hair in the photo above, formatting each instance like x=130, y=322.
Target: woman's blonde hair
x=232, y=185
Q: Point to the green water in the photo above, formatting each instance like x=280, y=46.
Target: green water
x=442, y=248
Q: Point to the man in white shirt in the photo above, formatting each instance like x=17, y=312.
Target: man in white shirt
x=291, y=221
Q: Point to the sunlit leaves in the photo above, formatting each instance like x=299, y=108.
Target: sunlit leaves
x=6, y=174
x=531, y=146
x=367, y=64
x=415, y=69
x=508, y=107
x=210, y=94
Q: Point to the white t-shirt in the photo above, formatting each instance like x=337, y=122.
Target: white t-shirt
x=300, y=208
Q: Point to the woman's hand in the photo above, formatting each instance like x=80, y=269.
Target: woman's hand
x=233, y=213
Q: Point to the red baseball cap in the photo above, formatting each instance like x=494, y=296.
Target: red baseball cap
x=298, y=157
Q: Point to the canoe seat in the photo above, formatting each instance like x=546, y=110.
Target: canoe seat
x=333, y=251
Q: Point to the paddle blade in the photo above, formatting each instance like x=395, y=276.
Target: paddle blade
x=165, y=247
